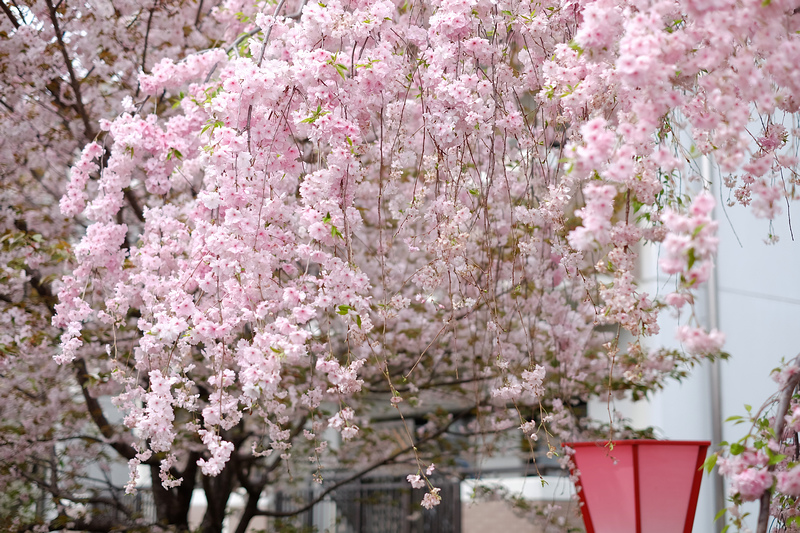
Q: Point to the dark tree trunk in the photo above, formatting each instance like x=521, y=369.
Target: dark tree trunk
x=172, y=506
x=250, y=510
x=218, y=489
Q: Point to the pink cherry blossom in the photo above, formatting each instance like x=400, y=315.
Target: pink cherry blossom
x=256, y=226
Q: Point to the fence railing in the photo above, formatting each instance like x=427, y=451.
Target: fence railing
x=371, y=505
x=127, y=510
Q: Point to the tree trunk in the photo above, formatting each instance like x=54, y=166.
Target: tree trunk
x=218, y=489
x=172, y=506
x=250, y=510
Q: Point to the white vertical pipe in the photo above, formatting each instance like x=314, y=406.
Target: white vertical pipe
x=715, y=380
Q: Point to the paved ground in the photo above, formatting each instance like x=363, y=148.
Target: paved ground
x=498, y=517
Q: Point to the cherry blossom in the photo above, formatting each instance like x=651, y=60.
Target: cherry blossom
x=256, y=226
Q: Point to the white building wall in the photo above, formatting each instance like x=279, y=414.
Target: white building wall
x=758, y=309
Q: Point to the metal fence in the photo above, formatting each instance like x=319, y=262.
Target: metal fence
x=128, y=509
x=372, y=505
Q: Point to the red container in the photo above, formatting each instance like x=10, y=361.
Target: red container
x=639, y=486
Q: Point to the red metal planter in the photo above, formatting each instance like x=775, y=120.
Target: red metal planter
x=639, y=486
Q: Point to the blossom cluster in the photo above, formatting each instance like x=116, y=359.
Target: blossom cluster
x=763, y=464
x=692, y=243
x=364, y=195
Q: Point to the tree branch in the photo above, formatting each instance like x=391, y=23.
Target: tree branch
x=44, y=290
x=88, y=131
x=146, y=38
x=250, y=509
x=780, y=422
x=432, y=385
x=97, y=415
x=134, y=203
x=269, y=30
x=197, y=16
x=9, y=14
x=62, y=495
x=92, y=526
x=58, y=523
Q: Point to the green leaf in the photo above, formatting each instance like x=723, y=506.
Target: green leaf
x=777, y=458
x=212, y=126
x=720, y=514
x=710, y=463
x=368, y=64
x=575, y=46
x=692, y=259
x=174, y=153
x=774, y=458
x=343, y=309
x=358, y=321
x=697, y=230
x=315, y=115
x=737, y=449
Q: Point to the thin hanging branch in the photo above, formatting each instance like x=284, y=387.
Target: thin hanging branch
x=269, y=30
